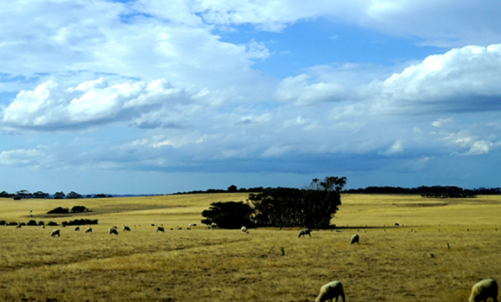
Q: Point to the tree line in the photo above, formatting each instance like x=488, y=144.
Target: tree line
x=428, y=191
x=25, y=194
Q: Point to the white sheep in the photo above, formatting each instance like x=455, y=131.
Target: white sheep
x=113, y=231
x=304, y=232
x=483, y=290
x=244, y=230
x=89, y=230
x=160, y=229
x=355, y=239
x=77, y=229
x=55, y=232
x=126, y=228
x=330, y=291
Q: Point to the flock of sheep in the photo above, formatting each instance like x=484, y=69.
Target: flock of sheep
x=480, y=292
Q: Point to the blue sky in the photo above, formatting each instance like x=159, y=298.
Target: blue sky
x=152, y=97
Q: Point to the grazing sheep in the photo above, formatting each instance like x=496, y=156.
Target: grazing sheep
x=304, y=232
x=18, y=226
x=89, y=230
x=355, y=239
x=43, y=226
x=483, y=290
x=330, y=291
x=160, y=229
x=244, y=230
x=77, y=229
x=113, y=231
x=396, y=224
x=55, y=232
x=126, y=228
x=179, y=229
x=114, y=227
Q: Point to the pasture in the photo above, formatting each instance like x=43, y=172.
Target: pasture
x=442, y=249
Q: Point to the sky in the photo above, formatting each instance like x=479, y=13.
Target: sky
x=157, y=97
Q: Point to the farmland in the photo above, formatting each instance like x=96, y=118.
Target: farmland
x=439, y=250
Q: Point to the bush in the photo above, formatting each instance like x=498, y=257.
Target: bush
x=80, y=222
x=3, y=222
x=59, y=210
x=32, y=222
x=12, y=223
x=52, y=223
x=40, y=223
x=79, y=209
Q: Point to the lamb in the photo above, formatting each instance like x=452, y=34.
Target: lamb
x=113, y=231
x=55, y=232
x=244, y=230
x=160, y=229
x=89, y=230
x=483, y=290
x=330, y=291
x=304, y=232
x=77, y=229
x=355, y=239
x=126, y=228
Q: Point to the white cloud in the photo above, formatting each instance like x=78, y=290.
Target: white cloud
x=52, y=107
x=396, y=148
x=441, y=122
x=22, y=157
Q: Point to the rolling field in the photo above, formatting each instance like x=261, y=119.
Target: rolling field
x=442, y=249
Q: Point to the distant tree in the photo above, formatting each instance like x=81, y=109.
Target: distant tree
x=4, y=194
x=79, y=209
x=40, y=194
x=228, y=215
x=73, y=195
x=59, y=210
x=232, y=188
x=59, y=195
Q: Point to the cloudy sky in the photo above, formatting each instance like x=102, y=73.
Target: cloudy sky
x=148, y=96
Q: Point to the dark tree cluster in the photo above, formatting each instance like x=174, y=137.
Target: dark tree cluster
x=228, y=215
x=312, y=207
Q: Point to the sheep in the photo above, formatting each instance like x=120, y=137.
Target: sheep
x=304, y=232
x=55, y=232
x=77, y=229
x=113, y=231
x=192, y=224
x=396, y=224
x=244, y=230
x=330, y=291
x=355, y=239
x=126, y=228
x=43, y=226
x=483, y=290
x=160, y=229
x=88, y=230
x=18, y=226
x=179, y=229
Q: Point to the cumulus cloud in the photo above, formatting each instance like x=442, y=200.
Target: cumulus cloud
x=22, y=157
x=52, y=107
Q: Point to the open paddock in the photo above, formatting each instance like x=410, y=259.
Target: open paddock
x=416, y=262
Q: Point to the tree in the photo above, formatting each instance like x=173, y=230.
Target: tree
x=229, y=215
x=73, y=195
x=313, y=207
x=59, y=195
x=232, y=189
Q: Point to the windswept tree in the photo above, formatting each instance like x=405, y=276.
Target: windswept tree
x=312, y=207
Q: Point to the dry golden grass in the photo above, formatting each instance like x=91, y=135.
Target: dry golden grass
x=389, y=264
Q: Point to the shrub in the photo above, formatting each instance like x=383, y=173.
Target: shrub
x=32, y=222
x=52, y=223
x=79, y=209
x=3, y=222
x=80, y=222
x=12, y=223
x=59, y=210
x=40, y=223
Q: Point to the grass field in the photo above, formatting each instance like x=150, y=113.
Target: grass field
x=442, y=249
